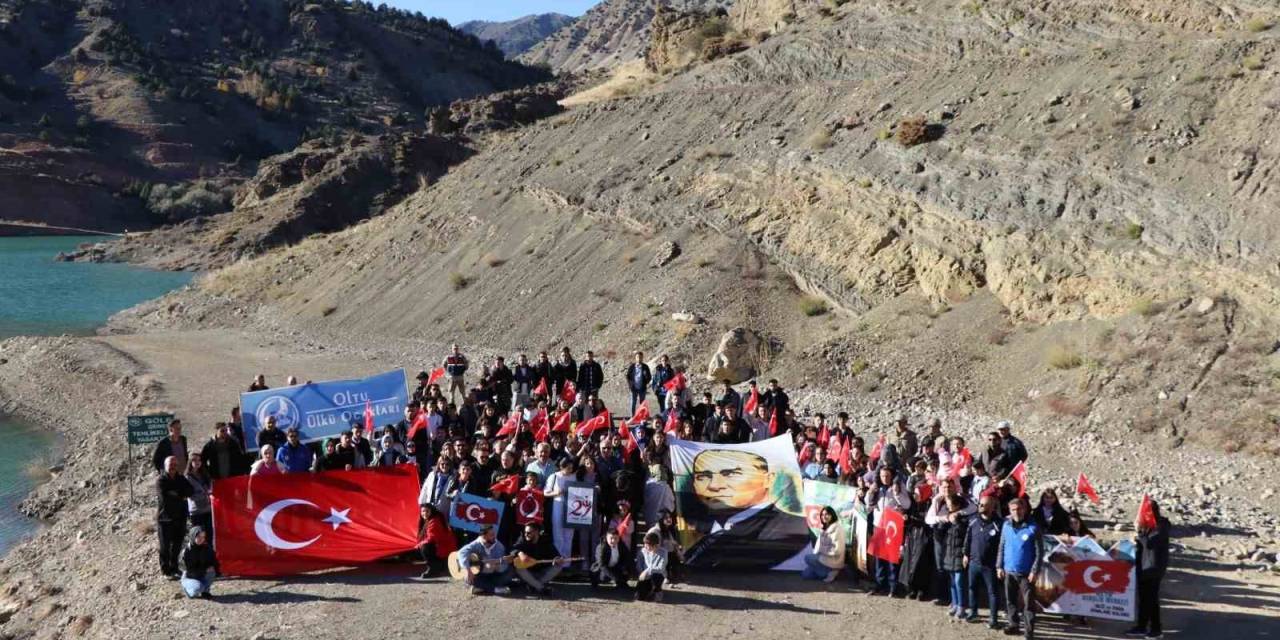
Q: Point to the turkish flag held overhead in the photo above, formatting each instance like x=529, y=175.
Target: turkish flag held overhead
x=1085, y=488
x=595, y=424
x=886, y=540
x=641, y=414
x=824, y=436
x=510, y=426
x=541, y=389
x=368, y=417
x=505, y=486
x=568, y=392
x=877, y=448
x=676, y=383
x=673, y=422
x=528, y=506
x=564, y=423
x=1093, y=576
x=773, y=423
x=419, y=423
x=1019, y=476
x=282, y=524
x=435, y=375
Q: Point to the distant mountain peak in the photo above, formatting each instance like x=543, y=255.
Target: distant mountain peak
x=514, y=37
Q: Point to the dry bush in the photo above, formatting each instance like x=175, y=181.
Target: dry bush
x=493, y=260
x=998, y=336
x=1060, y=405
x=703, y=263
x=458, y=281
x=1146, y=307
x=1257, y=25
x=80, y=625
x=913, y=131
x=813, y=306
x=820, y=139
x=858, y=366
x=712, y=154
x=1253, y=63
x=1062, y=358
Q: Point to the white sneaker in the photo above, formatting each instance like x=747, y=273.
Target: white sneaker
x=502, y=591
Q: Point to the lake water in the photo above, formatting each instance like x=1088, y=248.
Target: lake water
x=40, y=296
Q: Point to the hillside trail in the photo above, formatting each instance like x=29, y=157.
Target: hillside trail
x=202, y=371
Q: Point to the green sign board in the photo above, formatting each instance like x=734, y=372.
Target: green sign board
x=149, y=429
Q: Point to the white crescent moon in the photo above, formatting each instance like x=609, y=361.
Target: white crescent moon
x=892, y=529
x=262, y=526
x=1088, y=576
x=474, y=516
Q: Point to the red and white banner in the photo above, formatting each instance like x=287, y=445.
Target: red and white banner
x=528, y=506
x=886, y=540
x=281, y=524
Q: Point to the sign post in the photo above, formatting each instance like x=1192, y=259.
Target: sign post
x=144, y=430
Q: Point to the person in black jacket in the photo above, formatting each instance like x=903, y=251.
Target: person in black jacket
x=981, y=541
x=223, y=456
x=199, y=565
x=503, y=380
x=613, y=562
x=590, y=375
x=1152, y=562
x=172, y=491
x=662, y=374
x=564, y=370
x=1049, y=514
x=174, y=445
x=952, y=557
x=638, y=378
x=543, y=370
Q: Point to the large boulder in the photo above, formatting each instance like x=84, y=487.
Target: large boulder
x=739, y=356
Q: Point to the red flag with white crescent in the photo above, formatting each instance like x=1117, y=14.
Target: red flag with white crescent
x=419, y=423
x=1094, y=576
x=886, y=540
x=528, y=506
x=753, y=401
x=510, y=426
x=368, y=416
x=435, y=375
x=568, y=392
x=676, y=383
x=282, y=524
x=773, y=423
x=641, y=414
x=564, y=423
x=1019, y=476
x=541, y=389
x=595, y=424
x=1147, y=513
x=673, y=422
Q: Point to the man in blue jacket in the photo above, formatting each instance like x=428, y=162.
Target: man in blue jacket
x=294, y=456
x=638, y=378
x=1017, y=563
x=981, y=544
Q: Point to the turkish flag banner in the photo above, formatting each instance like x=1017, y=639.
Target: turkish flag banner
x=641, y=415
x=595, y=424
x=568, y=392
x=1146, y=514
x=541, y=389
x=673, y=422
x=1019, y=476
x=282, y=524
x=435, y=375
x=1093, y=576
x=886, y=540
x=528, y=506
x=510, y=426
x=564, y=423
x=753, y=401
x=472, y=513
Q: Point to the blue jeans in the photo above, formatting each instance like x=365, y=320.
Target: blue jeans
x=886, y=576
x=958, y=588
x=196, y=587
x=987, y=576
x=637, y=399
x=814, y=569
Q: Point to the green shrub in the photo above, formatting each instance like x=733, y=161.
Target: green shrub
x=858, y=366
x=1257, y=25
x=458, y=281
x=1253, y=63
x=1134, y=231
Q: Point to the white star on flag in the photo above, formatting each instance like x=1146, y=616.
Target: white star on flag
x=337, y=518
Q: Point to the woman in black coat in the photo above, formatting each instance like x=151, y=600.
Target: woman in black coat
x=956, y=525
x=918, y=566
x=1152, y=562
x=1049, y=515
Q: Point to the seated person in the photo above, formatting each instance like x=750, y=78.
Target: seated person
x=435, y=539
x=199, y=565
x=652, y=563
x=533, y=547
x=487, y=556
x=613, y=561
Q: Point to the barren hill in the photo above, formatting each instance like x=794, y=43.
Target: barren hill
x=128, y=113
x=515, y=37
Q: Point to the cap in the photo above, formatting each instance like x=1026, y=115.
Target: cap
x=1003, y=425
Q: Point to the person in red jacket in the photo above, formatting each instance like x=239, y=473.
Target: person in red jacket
x=435, y=539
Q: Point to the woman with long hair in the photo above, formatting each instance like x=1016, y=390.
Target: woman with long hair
x=827, y=558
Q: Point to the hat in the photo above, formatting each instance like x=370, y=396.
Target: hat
x=1003, y=425
x=901, y=417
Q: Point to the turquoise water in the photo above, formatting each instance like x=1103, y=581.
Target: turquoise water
x=24, y=458
x=39, y=296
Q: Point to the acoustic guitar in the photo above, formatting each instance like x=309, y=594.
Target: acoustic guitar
x=458, y=573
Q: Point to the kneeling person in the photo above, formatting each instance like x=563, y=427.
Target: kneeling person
x=532, y=550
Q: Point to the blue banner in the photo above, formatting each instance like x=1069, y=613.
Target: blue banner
x=324, y=409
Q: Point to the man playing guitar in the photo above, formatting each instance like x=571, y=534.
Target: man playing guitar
x=532, y=550
x=485, y=564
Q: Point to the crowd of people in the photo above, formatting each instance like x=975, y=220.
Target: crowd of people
x=972, y=537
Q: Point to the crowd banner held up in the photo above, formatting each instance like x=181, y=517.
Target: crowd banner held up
x=1084, y=580
x=325, y=409
x=472, y=513
x=282, y=524
x=580, y=505
x=739, y=505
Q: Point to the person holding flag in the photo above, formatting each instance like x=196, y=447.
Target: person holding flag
x=556, y=488
x=1152, y=540
x=889, y=492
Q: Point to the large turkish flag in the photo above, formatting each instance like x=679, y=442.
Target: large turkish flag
x=280, y=524
x=886, y=540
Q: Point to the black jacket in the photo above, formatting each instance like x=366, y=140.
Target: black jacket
x=646, y=376
x=236, y=462
x=625, y=561
x=1153, y=551
x=590, y=376
x=982, y=541
x=1053, y=525
x=775, y=400
x=197, y=559
x=172, y=493
x=953, y=544
x=164, y=449
x=562, y=372
x=502, y=380
x=661, y=376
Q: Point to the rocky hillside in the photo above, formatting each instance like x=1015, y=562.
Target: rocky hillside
x=610, y=34
x=129, y=113
x=514, y=37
